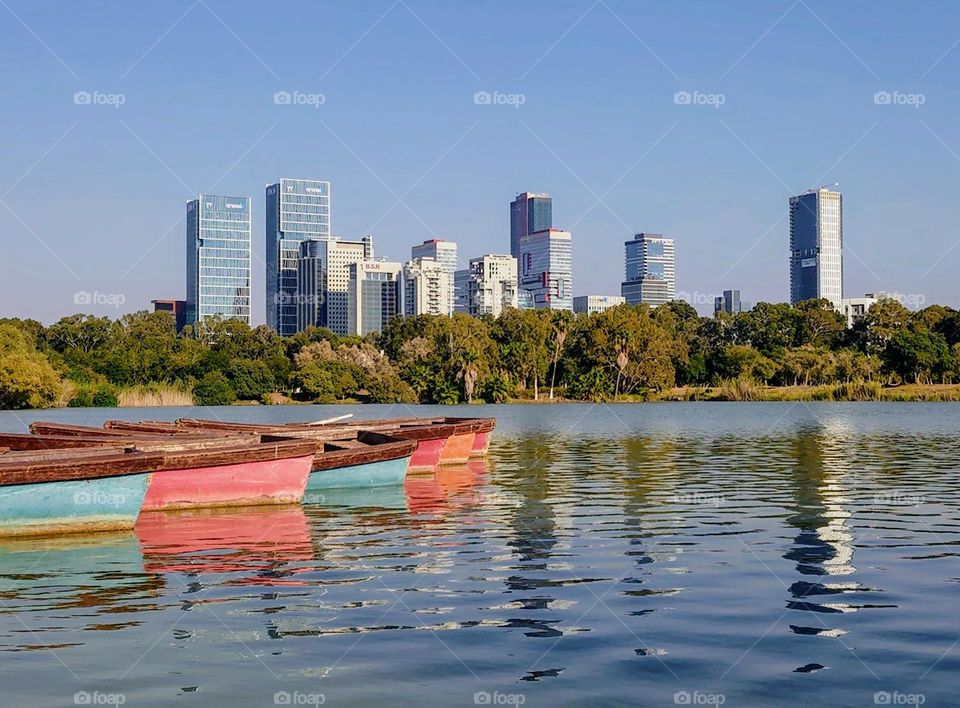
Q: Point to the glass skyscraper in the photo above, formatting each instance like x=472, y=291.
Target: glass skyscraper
x=650, y=270
x=816, y=243
x=529, y=213
x=546, y=268
x=297, y=210
x=218, y=258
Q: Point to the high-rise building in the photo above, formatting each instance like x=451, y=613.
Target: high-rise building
x=427, y=288
x=297, y=210
x=488, y=285
x=729, y=302
x=546, y=268
x=218, y=258
x=445, y=254
x=816, y=243
x=323, y=280
x=373, y=295
x=650, y=265
x=590, y=304
x=529, y=213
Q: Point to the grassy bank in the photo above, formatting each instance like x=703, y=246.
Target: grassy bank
x=741, y=390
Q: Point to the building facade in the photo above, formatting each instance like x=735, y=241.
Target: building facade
x=323, y=280
x=729, y=302
x=427, y=288
x=529, y=213
x=546, y=268
x=374, y=295
x=445, y=254
x=855, y=309
x=589, y=304
x=816, y=246
x=177, y=308
x=218, y=258
x=297, y=210
x=488, y=285
x=650, y=270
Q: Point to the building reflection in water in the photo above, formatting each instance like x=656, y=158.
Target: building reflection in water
x=823, y=549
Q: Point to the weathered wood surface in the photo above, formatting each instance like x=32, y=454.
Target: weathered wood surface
x=236, y=454
x=75, y=467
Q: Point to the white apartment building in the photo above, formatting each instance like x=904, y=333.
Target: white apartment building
x=427, y=288
x=488, y=285
x=589, y=304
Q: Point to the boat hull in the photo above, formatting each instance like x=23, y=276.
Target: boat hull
x=74, y=506
x=427, y=454
x=456, y=450
x=481, y=445
x=382, y=473
x=280, y=481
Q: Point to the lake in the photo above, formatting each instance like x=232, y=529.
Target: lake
x=656, y=554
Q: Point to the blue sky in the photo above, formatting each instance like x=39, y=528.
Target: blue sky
x=92, y=196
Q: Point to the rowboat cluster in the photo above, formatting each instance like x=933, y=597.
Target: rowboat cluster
x=62, y=478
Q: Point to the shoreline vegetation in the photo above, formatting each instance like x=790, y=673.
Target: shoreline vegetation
x=774, y=352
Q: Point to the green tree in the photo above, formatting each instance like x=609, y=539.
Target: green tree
x=214, y=389
x=921, y=357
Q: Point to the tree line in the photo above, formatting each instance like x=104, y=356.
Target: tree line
x=627, y=351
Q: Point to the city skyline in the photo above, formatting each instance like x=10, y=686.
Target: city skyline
x=695, y=138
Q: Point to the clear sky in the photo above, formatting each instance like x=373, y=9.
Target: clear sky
x=782, y=98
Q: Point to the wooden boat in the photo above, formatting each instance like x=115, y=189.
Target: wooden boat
x=343, y=458
x=441, y=440
x=101, y=489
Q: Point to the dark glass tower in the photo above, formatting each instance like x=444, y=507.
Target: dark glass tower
x=529, y=213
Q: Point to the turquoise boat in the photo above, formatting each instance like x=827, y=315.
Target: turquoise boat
x=70, y=491
x=364, y=460
x=385, y=473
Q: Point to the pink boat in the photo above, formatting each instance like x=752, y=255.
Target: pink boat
x=231, y=475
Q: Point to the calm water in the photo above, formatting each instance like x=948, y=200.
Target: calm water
x=663, y=554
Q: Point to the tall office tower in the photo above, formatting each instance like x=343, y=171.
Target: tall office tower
x=444, y=253
x=729, y=302
x=323, y=279
x=650, y=270
x=816, y=243
x=218, y=258
x=591, y=304
x=529, y=213
x=427, y=288
x=373, y=295
x=488, y=285
x=546, y=268
x=297, y=210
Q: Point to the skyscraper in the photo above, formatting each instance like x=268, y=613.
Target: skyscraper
x=218, y=258
x=323, y=279
x=729, y=302
x=546, y=268
x=373, y=296
x=816, y=243
x=650, y=265
x=488, y=285
x=445, y=254
x=427, y=288
x=297, y=209
x=529, y=213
